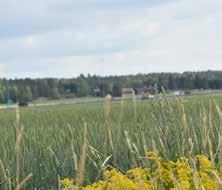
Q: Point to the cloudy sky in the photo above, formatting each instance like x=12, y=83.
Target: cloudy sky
x=63, y=38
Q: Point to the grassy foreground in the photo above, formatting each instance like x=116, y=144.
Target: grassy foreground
x=40, y=145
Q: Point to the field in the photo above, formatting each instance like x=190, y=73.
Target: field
x=47, y=141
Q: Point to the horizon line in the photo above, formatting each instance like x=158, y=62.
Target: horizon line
x=107, y=76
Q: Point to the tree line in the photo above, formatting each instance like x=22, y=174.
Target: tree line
x=92, y=85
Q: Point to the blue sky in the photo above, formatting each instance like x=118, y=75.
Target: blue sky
x=63, y=38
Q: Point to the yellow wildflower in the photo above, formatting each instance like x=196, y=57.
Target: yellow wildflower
x=163, y=175
x=66, y=182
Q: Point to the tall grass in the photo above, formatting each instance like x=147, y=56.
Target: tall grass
x=80, y=141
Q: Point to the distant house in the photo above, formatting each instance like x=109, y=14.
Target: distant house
x=148, y=92
x=145, y=91
x=139, y=91
x=129, y=91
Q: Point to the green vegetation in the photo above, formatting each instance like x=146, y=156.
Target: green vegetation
x=118, y=134
x=23, y=90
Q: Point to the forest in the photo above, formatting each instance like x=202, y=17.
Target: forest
x=52, y=88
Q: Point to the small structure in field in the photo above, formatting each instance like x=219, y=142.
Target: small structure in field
x=179, y=93
x=129, y=91
x=145, y=91
x=23, y=104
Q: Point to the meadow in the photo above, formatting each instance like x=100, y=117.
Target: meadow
x=43, y=144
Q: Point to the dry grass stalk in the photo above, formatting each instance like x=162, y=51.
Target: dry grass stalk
x=9, y=180
x=23, y=182
x=117, y=144
x=19, y=131
x=17, y=145
x=82, y=162
x=2, y=168
x=108, y=135
x=75, y=160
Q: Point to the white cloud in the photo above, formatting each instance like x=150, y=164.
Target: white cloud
x=176, y=36
x=29, y=40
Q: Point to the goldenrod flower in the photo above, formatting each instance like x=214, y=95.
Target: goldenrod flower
x=163, y=175
x=66, y=182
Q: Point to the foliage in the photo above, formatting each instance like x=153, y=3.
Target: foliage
x=86, y=85
x=119, y=137
x=163, y=174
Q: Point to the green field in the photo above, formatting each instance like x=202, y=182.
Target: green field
x=118, y=134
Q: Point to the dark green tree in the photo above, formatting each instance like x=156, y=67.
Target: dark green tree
x=24, y=94
x=117, y=90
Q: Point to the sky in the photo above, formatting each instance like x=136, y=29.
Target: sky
x=64, y=38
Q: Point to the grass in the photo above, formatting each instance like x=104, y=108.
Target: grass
x=81, y=140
